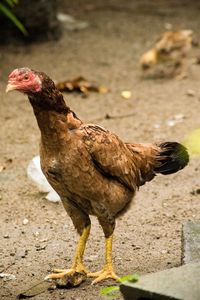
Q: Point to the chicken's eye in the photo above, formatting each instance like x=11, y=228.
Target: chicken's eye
x=26, y=77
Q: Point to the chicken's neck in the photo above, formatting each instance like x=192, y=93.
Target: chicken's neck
x=54, y=118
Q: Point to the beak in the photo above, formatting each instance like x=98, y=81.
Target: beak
x=10, y=87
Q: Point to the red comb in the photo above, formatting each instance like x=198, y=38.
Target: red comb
x=16, y=72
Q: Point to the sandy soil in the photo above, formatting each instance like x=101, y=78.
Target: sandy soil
x=148, y=236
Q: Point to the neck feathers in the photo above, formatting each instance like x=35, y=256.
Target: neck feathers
x=49, y=98
x=50, y=107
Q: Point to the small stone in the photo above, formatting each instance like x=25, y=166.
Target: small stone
x=7, y=276
x=40, y=247
x=179, y=117
x=91, y=258
x=170, y=123
x=6, y=236
x=36, y=233
x=70, y=23
x=168, y=26
x=190, y=93
x=164, y=251
x=156, y=126
x=43, y=240
x=2, y=168
x=126, y=94
x=25, y=221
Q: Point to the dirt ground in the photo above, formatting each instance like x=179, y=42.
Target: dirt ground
x=148, y=236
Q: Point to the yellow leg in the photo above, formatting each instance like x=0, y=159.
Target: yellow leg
x=77, y=265
x=107, y=272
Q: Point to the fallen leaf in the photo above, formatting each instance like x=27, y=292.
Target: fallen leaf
x=35, y=289
x=81, y=85
x=192, y=142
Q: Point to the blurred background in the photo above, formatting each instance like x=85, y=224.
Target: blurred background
x=103, y=42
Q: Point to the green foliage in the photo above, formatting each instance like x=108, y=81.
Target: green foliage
x=6, y=9
x=192, y=142
x=113, y=291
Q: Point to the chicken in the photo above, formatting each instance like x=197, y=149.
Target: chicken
x=92, y=170
x=171, y=47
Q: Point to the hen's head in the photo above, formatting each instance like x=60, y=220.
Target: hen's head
x=40, y=89
x=25, y=80
x=148, y=59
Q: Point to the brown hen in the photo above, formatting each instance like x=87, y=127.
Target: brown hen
x=171, y=47
x=92, y=170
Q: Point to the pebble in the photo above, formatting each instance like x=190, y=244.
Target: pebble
x=21, y=253
x=168, y=26
x=92, y=258
x=190, y=93
x=40, y=247
x=126, y=94
x=25, y=221
x=7, y=276
x=156, y=126
x=170, y=123
x=6, y=236
x=70, y=23
x=175, y=120
x=179, y=117
x=36, y=233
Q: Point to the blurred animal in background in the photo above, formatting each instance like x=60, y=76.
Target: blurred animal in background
x=93, y=171
x=170, y=51
x=81, y=85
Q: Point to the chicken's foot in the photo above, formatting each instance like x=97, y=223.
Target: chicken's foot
x=77, y=266
x=107, y=272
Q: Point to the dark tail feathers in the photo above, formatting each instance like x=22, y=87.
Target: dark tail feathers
x=172, y=158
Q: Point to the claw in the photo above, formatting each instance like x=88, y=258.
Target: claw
x=59, y=274
x=67, y=278
x=103, y=275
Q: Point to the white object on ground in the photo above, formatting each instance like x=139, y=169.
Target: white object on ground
x=126, y=94
x=7, y=276
x=36, y=175
x=71, y=23
x=25, y=221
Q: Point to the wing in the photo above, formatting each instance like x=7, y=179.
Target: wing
x=146, y=156
x=111, y=156
x=172, y=41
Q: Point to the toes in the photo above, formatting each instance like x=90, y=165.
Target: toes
x=61, y=270
x=94, y=274
x=55, y=276
x=59, y=274
x=105, y=275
